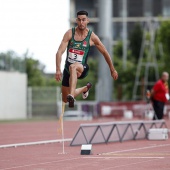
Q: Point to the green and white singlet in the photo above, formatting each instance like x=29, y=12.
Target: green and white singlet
x=77, y=51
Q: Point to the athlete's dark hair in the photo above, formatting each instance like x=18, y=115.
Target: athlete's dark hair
x=82, y=13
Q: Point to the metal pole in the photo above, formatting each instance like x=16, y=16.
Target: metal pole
x=29, y=102
x=105, y=29
x=62, y=124
x=124, y=15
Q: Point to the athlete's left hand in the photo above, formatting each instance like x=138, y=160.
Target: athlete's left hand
x=58, y=75
x=114, y=74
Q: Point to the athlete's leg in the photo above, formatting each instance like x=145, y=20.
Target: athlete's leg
x=76, y=70
x=80, y=90
x=65, y=86
x=65, y=91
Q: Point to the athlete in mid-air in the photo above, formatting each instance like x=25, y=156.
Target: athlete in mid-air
x=78, y=41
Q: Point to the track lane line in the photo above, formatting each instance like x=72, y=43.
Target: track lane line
x=35, y=143
x=43, y=163
x=124, y=157
x=125, y=165
x=135, y=149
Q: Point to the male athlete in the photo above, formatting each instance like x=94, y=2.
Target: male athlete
x=78, y=41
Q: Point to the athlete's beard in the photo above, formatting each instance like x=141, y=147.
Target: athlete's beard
x=81, y=27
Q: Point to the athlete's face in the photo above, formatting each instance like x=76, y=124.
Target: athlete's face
x=82, y=21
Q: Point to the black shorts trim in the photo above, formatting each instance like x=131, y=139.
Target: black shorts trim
x=85, y=71
x=66, y=75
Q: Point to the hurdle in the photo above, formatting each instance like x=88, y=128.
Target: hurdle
x=114, y=131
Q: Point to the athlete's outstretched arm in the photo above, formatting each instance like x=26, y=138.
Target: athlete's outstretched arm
x=96, y=41
x=61, y=50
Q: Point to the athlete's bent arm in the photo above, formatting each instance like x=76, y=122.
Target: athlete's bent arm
x=61, y=49
x=95, y=39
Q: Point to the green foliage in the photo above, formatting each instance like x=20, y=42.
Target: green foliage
x=36, y=74
x=124, y=85
x=10, y=61
x=163, y=38
x=135, y=40
x=35, y=71
x=51, y=81
x=118, y=52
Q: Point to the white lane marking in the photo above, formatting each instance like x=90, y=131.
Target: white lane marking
x=125, y=165
x=43, y=163
x=130, y=157
x=35, y=143
x=135, y=149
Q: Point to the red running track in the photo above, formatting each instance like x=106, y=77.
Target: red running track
x=131, y=155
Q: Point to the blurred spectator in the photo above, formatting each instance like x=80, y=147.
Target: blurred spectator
x=160, y=95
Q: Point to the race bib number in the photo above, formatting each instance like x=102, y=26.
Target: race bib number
x=75, y=56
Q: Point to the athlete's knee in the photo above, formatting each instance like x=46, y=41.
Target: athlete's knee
x=72, y=67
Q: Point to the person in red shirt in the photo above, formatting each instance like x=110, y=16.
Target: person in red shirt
x=160, y=95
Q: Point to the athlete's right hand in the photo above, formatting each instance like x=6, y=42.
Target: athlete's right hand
x=58, y=75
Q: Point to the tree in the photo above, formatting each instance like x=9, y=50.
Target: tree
x=135, y=40
x=125, y=82
x=163, y=37
x=35, y=71
x=10, y=61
